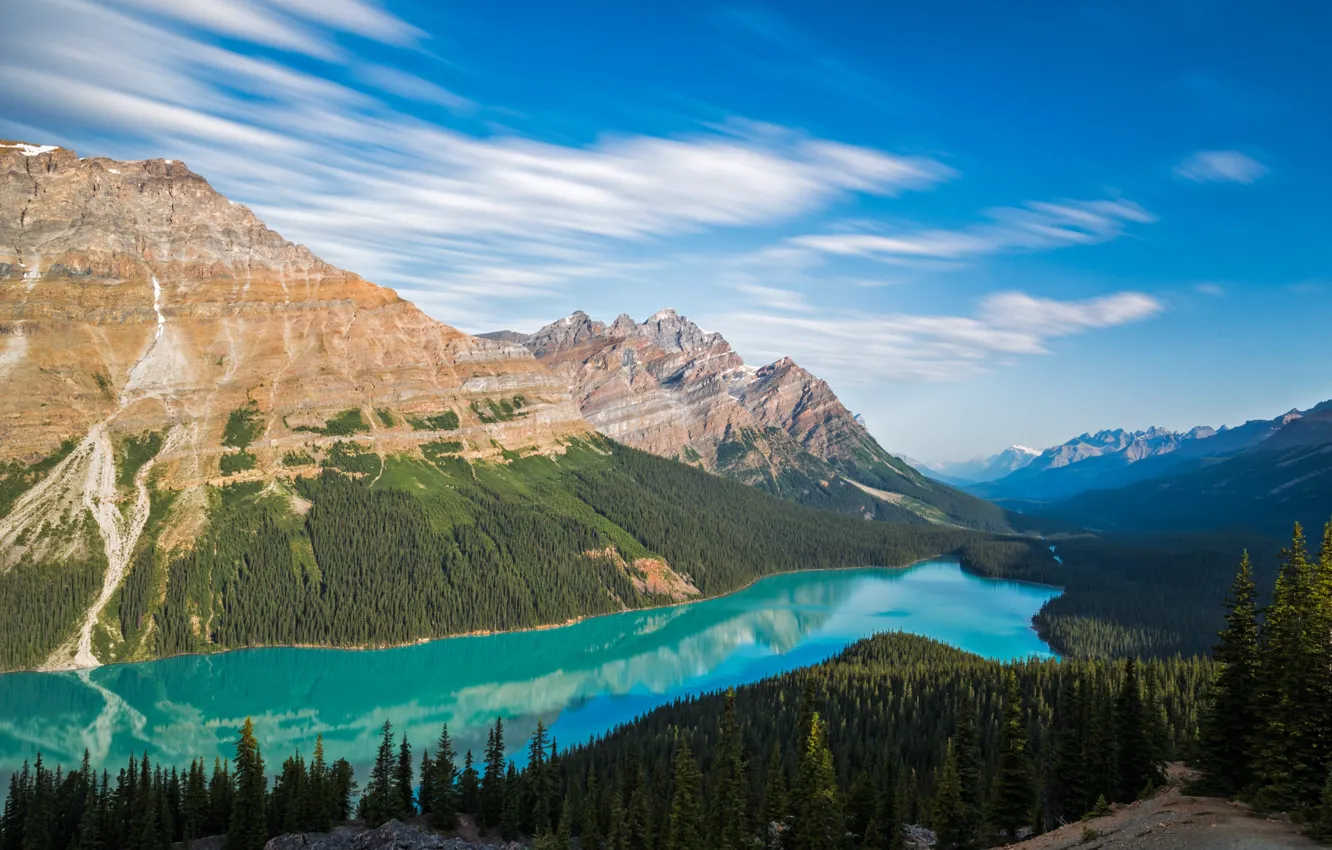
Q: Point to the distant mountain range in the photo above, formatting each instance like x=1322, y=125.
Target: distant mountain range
x=668, y=387
x=982, y=469
x=1260, y=475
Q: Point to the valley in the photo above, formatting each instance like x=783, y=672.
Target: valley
x=227, y=461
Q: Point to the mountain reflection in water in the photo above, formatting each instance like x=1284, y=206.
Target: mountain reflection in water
x=581, y=679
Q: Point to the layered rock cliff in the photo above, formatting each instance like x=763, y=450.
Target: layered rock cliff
x=155, y=335
x=668, y=387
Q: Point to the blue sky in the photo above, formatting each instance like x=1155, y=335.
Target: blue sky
x=983, y=224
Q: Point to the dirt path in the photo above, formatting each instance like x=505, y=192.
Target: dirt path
x=1175, y=821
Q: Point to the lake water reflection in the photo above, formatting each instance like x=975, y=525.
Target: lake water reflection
x=581, y=679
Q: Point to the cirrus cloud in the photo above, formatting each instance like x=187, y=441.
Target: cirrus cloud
x=1220, y=167
x=861, y=348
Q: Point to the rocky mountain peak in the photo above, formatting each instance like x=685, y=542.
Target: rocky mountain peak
x=135, y=290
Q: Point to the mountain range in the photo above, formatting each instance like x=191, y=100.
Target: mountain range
x=212, y=439
x=1259, y=475
x=667, y=387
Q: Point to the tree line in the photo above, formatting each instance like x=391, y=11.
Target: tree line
x=1266, y=734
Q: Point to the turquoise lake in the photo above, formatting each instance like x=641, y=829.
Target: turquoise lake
x=581, y=680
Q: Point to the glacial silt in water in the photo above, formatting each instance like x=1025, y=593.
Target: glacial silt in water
x=581, y=679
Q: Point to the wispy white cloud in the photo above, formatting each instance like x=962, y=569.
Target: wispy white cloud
x=774, y=297
x=1220, y=167
x=412, y=87
x=1215, y=290
x=860, y=348
x=396, y=198
x=1036, y=226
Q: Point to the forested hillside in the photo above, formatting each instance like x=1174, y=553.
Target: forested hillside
x=375, y=551
x=897, y=731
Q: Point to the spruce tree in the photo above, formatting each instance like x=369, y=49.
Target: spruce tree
x=248, y=828
x=492, y=782
x=966, y=752
x=589, y=822
x=686, y=825
x=469, y=787
x=1011, y=796
x=1294, y=682
x=1229, y=725
x=818, y=819
x=509, y=815
x=444, y=793
x=404, y=785
x=774, y=800
x=564, y=830
x=379, y=804
x=946, y=815
x=730, y=784
x=539, y=785
x=316, y=809
x=1136, y=766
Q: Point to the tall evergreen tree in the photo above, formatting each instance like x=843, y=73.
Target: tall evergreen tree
x=589, y=822
x=469, y=787
x=380, y=802
x=443, y=785
x=970, y=779
x=509, y=815
x=1294, y=686
x=316, y=812
x=404, y=784
x=1229, y=725
x=1011, y=794
x=946, y=815
x=248, y=828
x=492, y=781
x=686, y=825
x=1137, y=769
x=538, y=786
x=818, y=817
x=774, y=801
x=730, y=783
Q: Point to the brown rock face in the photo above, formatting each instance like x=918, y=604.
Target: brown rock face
x=158, y=329
x=670, y=388
x=132, y=293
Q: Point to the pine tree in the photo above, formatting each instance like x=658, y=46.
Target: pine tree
x=1136, y=767
x=966, y=752
x=1294, y=682
x=379, y=804
x=509, y=826
x=564, y=831
x=538, y=786
x=316, y=813
x=404, y=785
x=41, y=809
x=946, y=809
x=589, y=823
x=1069, y=770
x=774, y=800
x=1229, y=726
x=730, y=783
x=686, y=824
x=469, y=787
x=444, y=793
x=818, y=817
x=427, y=790
x=1011, y=795
x=492, y=782
x=248, y=828
x=636, y=830
x=341, y=785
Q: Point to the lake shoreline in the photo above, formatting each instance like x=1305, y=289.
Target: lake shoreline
x=545, y=626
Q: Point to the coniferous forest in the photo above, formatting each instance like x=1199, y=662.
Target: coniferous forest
x=897, y=730
x=444, y=546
